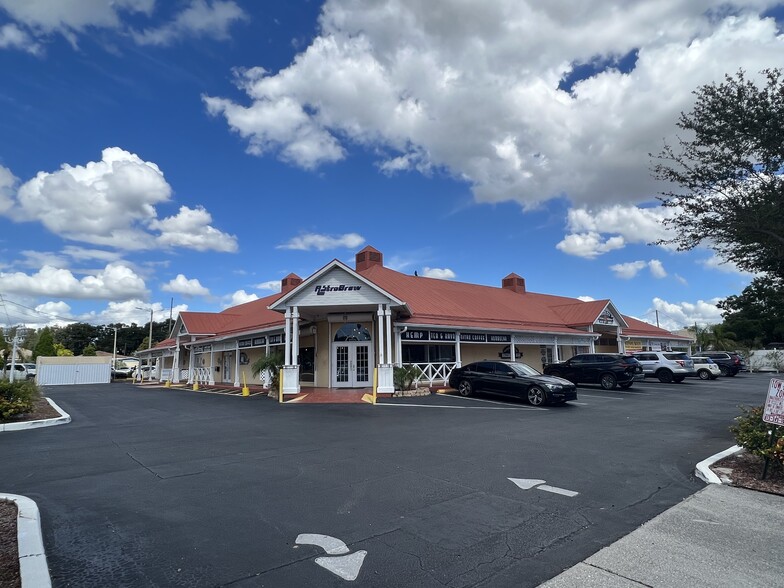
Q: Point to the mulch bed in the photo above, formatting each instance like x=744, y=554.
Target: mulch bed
x=41, y=410
x=744, y=470
x=9, y=555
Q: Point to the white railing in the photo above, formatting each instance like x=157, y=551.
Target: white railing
x=434, y=372
x=184, y=375
x=266, y=378
x=201, y=375
x=166, y=375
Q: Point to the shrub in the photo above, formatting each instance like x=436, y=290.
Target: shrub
x=17, y=398
x=405, y=376
x=751, y=433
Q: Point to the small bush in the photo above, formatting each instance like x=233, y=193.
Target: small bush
x=405, y=376
x=17, y=398
x=751, y=433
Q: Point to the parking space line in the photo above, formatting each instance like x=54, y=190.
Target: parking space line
x=579, y=403
x=461, y=407
x=598, y=396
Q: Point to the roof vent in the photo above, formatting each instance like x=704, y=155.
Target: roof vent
x=514, y=283
x=368, y=257
x=290, y=282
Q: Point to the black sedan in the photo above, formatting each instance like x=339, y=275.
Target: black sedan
x=606, y=369
x=511, y=379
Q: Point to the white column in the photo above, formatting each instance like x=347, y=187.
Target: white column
x=511, y=349
x=175, y=377
x=388, y=318
x=211, y=379
x=380, y=316
x=295, y=336
x=287, y=338
x=398, y=348
x=618, y=338
x=237, y=364
x=191, y=361
x=593, y=340
x=556, y=356
x=458, y=358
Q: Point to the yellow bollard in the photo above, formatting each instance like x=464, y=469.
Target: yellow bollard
x=280, y=386
x=245, y=389
x=195, y=386
x=168, y=384
x=375, y=383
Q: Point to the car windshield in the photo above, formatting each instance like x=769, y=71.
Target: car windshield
x=676, y=356
x=524, y=369
x=30, y=366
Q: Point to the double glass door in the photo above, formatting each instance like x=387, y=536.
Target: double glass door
x=351, y=362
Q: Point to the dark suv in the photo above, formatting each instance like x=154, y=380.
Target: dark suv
x=729, y=363
x=606, y=369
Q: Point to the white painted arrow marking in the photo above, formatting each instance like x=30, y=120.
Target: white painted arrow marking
x=329, y=544
x=345, y=566
x=556, y=490
x=526, y=484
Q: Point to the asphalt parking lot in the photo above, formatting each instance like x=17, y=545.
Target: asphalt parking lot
x=164, y=487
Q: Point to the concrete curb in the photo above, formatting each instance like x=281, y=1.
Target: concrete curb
x=33, y=568
x=703, y=471
x=61, y=420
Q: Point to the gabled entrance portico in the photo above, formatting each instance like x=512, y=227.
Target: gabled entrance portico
x=352, y=320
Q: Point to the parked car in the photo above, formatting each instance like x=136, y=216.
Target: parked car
x=667, y=366
x=22, y=371
x=512, y=378
x=729, y=363
x=122, y=373
x=707, y=369
x=606, y=369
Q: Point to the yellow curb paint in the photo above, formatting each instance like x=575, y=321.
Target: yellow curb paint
x=245, y=389
x=445, y=391
x=369, y=398
x=168, y=384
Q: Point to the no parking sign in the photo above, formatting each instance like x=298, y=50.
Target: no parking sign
x=774, y=403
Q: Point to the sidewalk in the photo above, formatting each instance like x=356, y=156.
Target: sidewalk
x=720, y=536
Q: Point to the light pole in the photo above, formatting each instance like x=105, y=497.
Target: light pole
x=114, y=350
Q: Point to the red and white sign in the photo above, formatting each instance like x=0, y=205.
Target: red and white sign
x=774, y=404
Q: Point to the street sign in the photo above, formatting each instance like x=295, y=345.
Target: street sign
x=774, y=403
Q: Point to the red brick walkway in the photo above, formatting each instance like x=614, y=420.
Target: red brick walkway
x=327, y=396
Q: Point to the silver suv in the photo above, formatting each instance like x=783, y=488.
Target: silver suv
x=667, y=366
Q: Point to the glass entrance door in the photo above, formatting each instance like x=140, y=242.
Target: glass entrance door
x=351, y=364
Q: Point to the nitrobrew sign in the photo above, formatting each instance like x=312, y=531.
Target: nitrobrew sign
x=324, y=288
x=774, y=403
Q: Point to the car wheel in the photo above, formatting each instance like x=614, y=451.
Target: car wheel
x=665, y=376
x=536, y=396
x=678, y=379
x=725, y=371
x=625, y=386
x=608, y=381
x=465, y=388
x=704, y=374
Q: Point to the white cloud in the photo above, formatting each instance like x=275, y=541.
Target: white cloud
x=114, y=282
x=716, y=263
x=627, y=271
x=132, y=311
x=438, y=273
x=677, y=315
x=311, y=241
x=589, y=245
x=186, y=287
x=586, y=298
x=239, y=297
x=37, y=20
x=424, y=87
x=657, y=269
x=190, y=228
x=110, y=203
x=273, y=285
x=12, y=37
x=199, y=19
x=681, y=279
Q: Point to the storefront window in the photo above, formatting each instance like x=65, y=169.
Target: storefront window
x=428, y=353
x=307, y=363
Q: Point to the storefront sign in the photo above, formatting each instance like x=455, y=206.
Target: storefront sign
x=774, y=403
x=442, y=336
x=606, y=318
x=633, y=345
x=276, y=339
x=499, y=338
x=473, y=337
x=412, y=335
x=324, y=288
x=202, y=348
x=242, y=343
x=259, y=341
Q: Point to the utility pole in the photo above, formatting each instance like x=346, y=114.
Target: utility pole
x=657, y=319
x=16, y=339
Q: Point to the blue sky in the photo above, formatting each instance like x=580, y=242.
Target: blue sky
x=192, y=153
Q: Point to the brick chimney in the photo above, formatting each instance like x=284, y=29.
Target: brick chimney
x=290, y=282
x=368, y=257
x=514, y=283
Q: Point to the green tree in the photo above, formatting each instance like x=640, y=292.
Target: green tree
x=89, y=350
x=76, y=336
x=62, y=351
x=756, y=315
x=720, y=338
x=45, y=345
x=728, y=170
